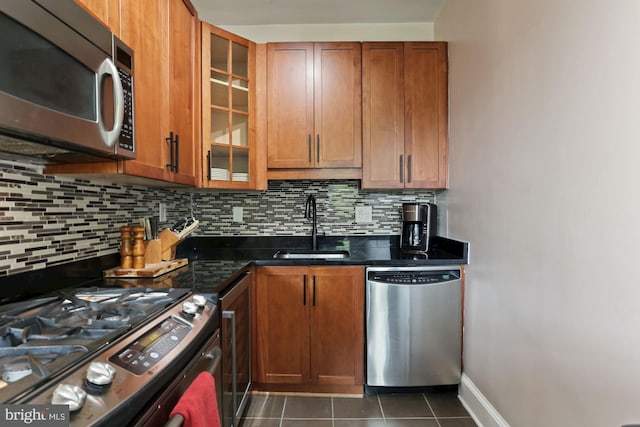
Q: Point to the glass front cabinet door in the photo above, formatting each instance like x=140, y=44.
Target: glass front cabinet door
x=228, y=110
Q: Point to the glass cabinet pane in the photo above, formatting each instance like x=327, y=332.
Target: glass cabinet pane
x=219, y=90
x=220, y=166
x=240, y=56
x=240, y=159
x=219, y=53
x=240, y=95
x=229, y=147
x=240, y=135
x=219, y=126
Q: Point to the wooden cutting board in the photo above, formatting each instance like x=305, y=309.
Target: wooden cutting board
x=149, y=270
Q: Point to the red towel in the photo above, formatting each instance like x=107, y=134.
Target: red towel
x=198, y=405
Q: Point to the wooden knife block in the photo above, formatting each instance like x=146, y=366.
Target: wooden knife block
x=168, y=242
x=152, y=251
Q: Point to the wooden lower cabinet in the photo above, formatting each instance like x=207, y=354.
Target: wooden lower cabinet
x=309, y=329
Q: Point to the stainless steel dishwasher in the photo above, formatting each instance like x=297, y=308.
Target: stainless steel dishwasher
x=414, y=326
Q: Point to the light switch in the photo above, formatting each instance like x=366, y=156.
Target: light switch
x=237, y=214
x=363, y=214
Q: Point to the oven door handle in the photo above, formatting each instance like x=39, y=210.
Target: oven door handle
x=231, y=314
x=215, y=356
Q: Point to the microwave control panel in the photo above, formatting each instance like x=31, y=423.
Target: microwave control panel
x=126, y=134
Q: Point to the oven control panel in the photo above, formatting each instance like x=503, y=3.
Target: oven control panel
x=143, y=353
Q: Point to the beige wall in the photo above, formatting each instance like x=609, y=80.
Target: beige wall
x=545, y=177
x=334, y=32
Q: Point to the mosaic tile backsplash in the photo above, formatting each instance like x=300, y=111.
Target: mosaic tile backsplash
x=47, y=220
x=279, y=211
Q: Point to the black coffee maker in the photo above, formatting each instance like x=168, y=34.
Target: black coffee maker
x=418, y=227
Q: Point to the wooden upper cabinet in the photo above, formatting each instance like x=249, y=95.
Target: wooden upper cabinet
x=183, y=108
x=141, y=27
x=314, y=105
x=290, y=105
x=382, y=115
x=229, y=146
x=107, y=11
x=163, y=35
x=405, y=115
x=338, y=105
x=426, y=107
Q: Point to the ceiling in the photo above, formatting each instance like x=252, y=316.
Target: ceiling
x=283, y=12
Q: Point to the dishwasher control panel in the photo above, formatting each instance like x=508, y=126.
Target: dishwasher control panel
x=412, y=277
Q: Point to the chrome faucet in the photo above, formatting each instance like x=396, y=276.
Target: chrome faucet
x=310, y=212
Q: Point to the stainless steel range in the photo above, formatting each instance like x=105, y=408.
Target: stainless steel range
x=106, y=352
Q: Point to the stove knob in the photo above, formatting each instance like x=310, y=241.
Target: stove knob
x=199, y=300
x=71, y=395
x=189, y=308
x=100, y=373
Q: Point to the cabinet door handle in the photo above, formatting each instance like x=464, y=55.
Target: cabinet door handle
x=177, y=148
x=304, y=290
x=401, y=167
x=409, y=168
x=230, y=314
x=209, y=165
x=318, y=148
x=314, y=291
x=170, y=141
x=309, y=139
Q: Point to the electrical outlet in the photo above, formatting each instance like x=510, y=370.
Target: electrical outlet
x=237, y=214
x=163, y=212
x=363, y=214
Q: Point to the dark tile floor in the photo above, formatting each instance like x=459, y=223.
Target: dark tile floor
x=432, y=409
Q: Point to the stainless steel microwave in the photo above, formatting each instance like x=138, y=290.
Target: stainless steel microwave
x=66, y=85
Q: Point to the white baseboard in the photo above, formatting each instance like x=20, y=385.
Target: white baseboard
x=480, y=409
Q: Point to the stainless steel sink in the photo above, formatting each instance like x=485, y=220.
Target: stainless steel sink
x=310, y=254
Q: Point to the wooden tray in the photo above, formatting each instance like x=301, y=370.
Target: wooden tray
x=149, y=270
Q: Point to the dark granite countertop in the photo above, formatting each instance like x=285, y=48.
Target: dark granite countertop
x=215, y=262
x=363, y=250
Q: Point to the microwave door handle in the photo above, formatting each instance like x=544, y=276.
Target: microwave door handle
x=111, y=136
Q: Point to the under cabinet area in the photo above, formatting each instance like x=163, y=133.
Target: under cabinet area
x=309, y=329
x=313, y=108
x=405, y=115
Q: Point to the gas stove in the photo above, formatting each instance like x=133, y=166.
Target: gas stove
x=126, y=382
x=112, y=351
x=43, y=338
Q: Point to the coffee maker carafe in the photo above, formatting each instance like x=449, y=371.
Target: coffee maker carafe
x=418, y=227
